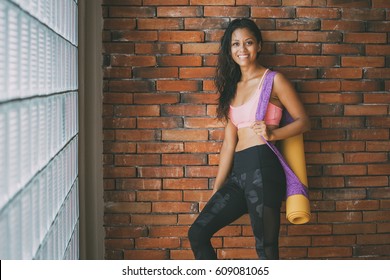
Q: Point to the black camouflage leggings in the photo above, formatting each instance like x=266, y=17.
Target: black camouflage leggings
x=255, y=186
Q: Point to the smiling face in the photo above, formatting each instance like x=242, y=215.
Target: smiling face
x=244, y=47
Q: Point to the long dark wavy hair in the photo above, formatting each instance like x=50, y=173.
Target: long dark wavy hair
x=228, y=72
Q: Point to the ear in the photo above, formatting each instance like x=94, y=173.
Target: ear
x=259, y=50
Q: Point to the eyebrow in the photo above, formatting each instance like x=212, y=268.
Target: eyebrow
x=244, y=40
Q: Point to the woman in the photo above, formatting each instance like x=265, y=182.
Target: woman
x=250, y=178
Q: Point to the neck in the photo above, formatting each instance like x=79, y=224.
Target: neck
x=250, y=72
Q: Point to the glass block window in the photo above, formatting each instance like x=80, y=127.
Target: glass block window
x=39, y=205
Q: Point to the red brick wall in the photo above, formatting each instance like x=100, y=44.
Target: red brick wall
x=161, y=138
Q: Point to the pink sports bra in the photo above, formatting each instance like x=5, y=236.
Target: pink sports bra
x=245, y=114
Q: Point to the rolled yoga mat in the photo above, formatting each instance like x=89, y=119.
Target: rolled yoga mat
x=297, y=205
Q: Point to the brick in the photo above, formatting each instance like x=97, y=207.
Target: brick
x=345, y=194
x=365, y=157
x=153, y=219
x=369, y=134
x=376, y=73
x=342, y=122
x=315, y=36
x=183, y=159
x=117, y=98
x=376, y=98
x=365, y=110
x=137, y=110
x=146, y=255
x=374, y=50
x=183, y=110
x=236, y=254
x=123, y=48
x=365, y=38
x=340, y=240
x=342, y=73
x=116, y=219
x=195, y=171
x=309, y=230
x=376, y=216
x=118, y=244
x=162, y=243
x=268, y=12
x=378, y=169
x=326, y=182
x=168, y=231
x=131, y=12
x=159, y=122
x=202, y=147
x=362, y=62
x=184, y=135
x=138, y=184
x=343, y=25
x=226, y=11
x=181, y=254
x=118, y=147
x=160, y=172
x=298, y=48
x=279, y=36
x=165, y=2
x=329, y=252
x=298, y=24
x=115, y=196
x=159, y=196
x=119, y=23
x=137, y=160
x=332, y=158
x=196, y=72
x=293, y=253
x=345, y=170
x=339, y=217
x=328, y=135
x=154, y=98
x=378, y=121
x=377, y=146
x=372, y=250
x=111, y=72
x=197, y=122
x=160, y=147
x=185, y=183
x=324, y=61
x=200, y=98
x=118, y=172
x=132, y=60
x=278, y=60
x=171, y=12
x=357, y=205
x=322, y=13
x=130, y=86
x=323, y=110
x=125, y=232
x=181, y=36
x=196, y=195
x=201, y=48
x=363, y=14
x=130, y=36
x=206, y=23
x=127, y=207
x=136, y=135
x=347, y=49
x=157, y=48
x=257, y=2
x=155, y=73
x=319, y=86
x=215, y=2
x=347, y=228
x=182, y=60
x=178, y=85
x=160, y=23
x=174, y=207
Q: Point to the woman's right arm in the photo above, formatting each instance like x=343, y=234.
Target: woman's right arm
x=226, y=155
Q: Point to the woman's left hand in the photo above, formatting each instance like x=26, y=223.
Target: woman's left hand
x=261, y=129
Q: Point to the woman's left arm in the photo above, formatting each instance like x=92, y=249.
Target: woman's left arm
x=284, y=91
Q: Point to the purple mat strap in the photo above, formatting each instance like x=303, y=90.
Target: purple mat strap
x=294, y=185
